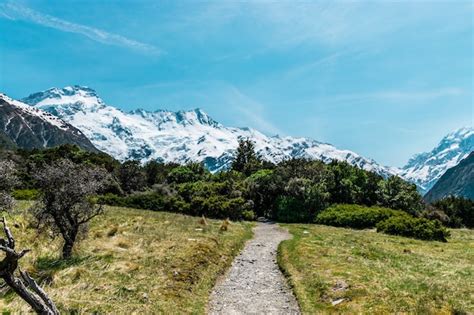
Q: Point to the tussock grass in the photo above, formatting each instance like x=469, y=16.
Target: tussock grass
x=383, y=274
x=132, y=262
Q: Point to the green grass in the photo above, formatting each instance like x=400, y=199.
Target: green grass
x=133, y=261
x=384, y=274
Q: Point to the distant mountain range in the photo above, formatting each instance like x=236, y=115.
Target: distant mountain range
x=78, y=115
x=181, y=136
x=27, y=127
x=456, y=181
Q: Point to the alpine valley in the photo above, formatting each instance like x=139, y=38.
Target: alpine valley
x=186, y=136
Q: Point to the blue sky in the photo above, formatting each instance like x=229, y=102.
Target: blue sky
x=384, y=79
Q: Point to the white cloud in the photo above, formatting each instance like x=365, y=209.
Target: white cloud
x=15, y=11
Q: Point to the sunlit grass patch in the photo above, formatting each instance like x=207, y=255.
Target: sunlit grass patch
x=361, y=271
x=133, y=261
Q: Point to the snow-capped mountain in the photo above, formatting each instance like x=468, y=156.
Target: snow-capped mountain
x=27, y=127
x=426, y=168
x=181, y=136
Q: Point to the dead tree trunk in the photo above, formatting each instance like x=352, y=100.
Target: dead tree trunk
x=25, y=287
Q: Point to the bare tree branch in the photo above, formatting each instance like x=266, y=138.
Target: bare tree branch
x=39, y=291
x=36, y=297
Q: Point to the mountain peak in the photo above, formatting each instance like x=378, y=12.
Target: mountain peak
x=460, y=134
x=77, y=95
x=426, y=168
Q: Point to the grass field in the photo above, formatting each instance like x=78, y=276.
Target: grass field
x=368, y=272
x=133, y=262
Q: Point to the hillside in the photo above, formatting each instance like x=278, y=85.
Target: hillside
x=132, y=260
x=181, y=137
x=31, y=128
x=457, y=181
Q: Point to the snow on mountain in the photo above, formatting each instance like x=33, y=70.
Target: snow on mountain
x=45, y=116
x=29, y=127
x=181, y=136
x=426, y=168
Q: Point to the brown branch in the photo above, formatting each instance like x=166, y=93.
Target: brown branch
x=8, y=233
x=39, y=291
x=36, y=297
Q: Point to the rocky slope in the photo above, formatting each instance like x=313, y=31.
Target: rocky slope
x=457, y=181
x=26, y=127
x=181, y=136
x=426, y=168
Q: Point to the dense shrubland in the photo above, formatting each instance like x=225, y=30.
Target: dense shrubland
x=296, y=190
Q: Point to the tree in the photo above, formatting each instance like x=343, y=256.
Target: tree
x=152, y=170
x=31, y=293
x=65, y=205
x=191, y=172
x=8, y=180
x=246, y=161
x=131, y=176
x=302, y=200
x=263, y=188
x=396, y=193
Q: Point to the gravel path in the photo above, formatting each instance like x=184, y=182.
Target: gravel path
x=254, y=283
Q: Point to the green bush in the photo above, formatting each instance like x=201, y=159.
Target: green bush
x=25, y=194
x=355, y=216
x=419, y=228
x=248, y=215
x=212, y=206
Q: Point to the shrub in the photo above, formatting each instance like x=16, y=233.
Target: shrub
x=25, y=194
x=355, y=216
x=419, y=228
x=148, y=201
x=248, y=215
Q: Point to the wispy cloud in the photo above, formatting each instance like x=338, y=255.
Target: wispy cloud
x=400, y=96
x=252, y=110
x=16, y=11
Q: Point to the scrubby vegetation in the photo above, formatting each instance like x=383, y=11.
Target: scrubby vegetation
x=347, y=271
x=296, y=190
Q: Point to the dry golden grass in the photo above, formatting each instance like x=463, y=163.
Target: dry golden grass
x=384, y=274
x=132, y=262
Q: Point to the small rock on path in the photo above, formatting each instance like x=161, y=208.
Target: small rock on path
x=254, y=283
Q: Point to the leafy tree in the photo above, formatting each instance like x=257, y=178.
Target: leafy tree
x=152, y=169
x=157, y=172
x=344, y=188
x=398, y=194
x=302, y=200
x=66, y=204
x=131, y=176
x=263, y=189
x=246, y=160
x=187, y=173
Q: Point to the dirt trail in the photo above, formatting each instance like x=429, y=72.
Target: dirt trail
x=255, y=284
